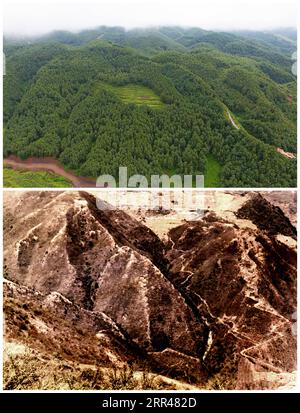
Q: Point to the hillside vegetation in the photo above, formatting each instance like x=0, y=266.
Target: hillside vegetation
x=155, y=101
x=37, y=179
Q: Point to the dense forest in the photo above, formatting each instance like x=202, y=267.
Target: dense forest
x=166, y=100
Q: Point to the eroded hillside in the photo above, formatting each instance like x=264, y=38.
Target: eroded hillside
x=209, y=305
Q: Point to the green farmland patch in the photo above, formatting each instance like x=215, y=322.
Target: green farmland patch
x=212, y=173
x=27, y=179
x=137, y=94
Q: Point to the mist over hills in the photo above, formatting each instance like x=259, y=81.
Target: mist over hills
x=284, y=39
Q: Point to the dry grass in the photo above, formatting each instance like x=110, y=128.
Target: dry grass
x=221, y=382
x=27, y=370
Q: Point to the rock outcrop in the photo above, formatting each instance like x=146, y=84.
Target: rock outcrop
x=266, y=216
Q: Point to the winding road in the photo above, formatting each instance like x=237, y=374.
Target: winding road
x=288, y=155
x=232, y=121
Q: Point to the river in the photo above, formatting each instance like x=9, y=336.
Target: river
x=49, y=165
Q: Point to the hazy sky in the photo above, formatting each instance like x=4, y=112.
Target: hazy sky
x=41, y=16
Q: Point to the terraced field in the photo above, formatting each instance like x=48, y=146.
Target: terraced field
x=137, y=94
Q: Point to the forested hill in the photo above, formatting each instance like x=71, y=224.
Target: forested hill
x=167, y=100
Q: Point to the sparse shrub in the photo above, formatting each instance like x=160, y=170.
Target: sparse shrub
x=37, y=312
x=149, y=381
x=221, y=382
x=92, y=379
x=23, y=326
x=20, y=372
x=122, y=379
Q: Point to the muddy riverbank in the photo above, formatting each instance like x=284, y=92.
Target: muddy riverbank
x=49, y=165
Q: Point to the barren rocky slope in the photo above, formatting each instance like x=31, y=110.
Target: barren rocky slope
x=214, y=302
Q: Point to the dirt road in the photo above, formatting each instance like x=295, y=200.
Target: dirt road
x=232, y=121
